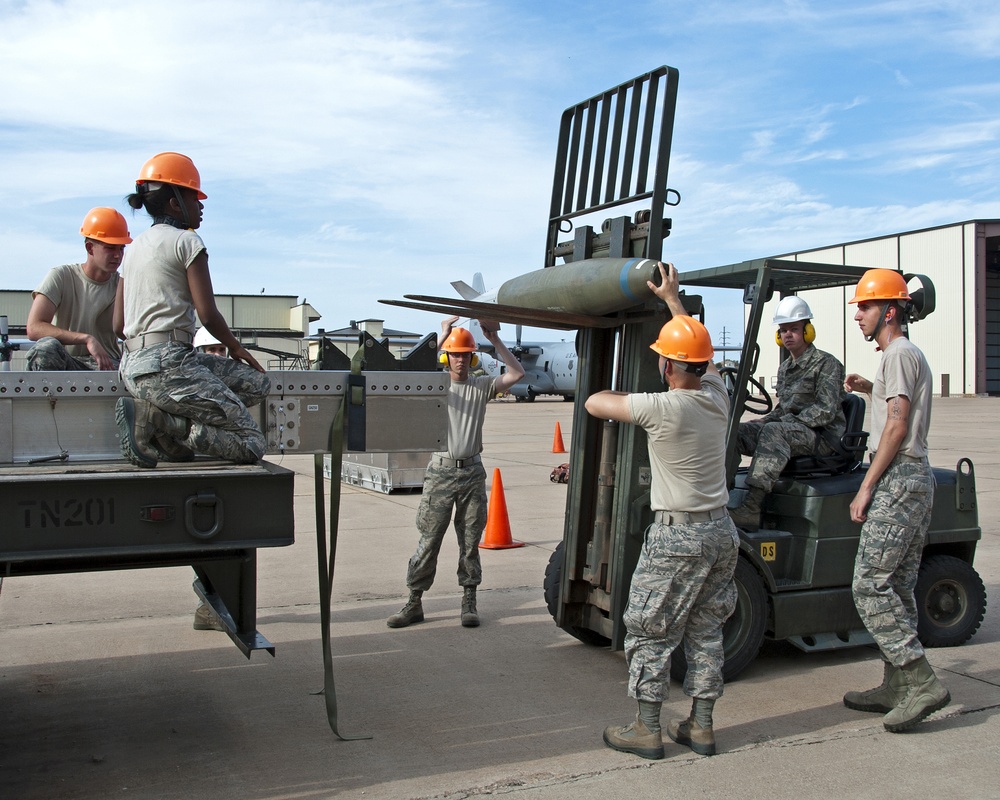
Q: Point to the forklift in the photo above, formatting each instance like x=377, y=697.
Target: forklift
x=794, y=575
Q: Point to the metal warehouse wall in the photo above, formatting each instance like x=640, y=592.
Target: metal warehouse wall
x=952, y=257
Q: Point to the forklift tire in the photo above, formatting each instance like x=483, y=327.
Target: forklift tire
x=951, y=601
x=743, y=633
x=553, y=577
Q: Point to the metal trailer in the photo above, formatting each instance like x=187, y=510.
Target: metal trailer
x=71, y=504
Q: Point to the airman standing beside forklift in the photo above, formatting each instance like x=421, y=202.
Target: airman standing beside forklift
x=455, y=478
x=894, y=504
x=682, y=589
x=810, y=391
x=72, y=311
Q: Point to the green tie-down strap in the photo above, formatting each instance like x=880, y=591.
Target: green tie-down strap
x=326, y=564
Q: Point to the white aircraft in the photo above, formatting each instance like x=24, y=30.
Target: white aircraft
x=549, y=367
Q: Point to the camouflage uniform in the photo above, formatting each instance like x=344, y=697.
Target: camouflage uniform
x=212, y=392
x=899, y=514
x=445, y=488
x=682, y=591
x=51, y=354
x=892, y=541
x=810, y=393
x=462, y=488
x=682, y=588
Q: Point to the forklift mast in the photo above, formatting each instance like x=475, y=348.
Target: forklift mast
x=613, y=149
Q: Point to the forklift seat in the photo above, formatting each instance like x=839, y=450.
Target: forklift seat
x=849, y=450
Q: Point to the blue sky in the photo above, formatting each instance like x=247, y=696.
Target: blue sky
x=357, y=151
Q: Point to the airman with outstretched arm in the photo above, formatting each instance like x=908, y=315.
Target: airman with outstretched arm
x=682, y=589
x=455, y=480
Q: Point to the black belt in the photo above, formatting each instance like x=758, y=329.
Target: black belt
x=457, y=462
x=684, y=517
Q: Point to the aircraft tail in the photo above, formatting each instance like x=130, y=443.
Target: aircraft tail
x=467, y=292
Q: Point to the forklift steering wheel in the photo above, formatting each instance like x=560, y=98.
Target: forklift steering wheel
x=754, y=403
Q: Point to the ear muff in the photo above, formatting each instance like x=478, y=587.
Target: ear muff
x=443, y=359
x=808, y=333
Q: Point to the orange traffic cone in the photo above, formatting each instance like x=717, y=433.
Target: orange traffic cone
x=497, y=522
x=557, y=442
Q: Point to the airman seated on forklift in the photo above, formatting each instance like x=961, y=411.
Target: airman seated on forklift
x=808, y=418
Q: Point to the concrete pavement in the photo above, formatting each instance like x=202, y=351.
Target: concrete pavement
x=106, y=690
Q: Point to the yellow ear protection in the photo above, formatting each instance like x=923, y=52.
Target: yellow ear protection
x=808, y=333
x=443, y=359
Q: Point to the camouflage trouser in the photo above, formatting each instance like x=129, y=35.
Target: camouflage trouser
x=212, y=392
x=461, y=488
x=771, y=445
x=885, y=571
x=682, y=591
x=51, y=355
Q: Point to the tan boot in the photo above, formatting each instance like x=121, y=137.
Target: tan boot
x=925, y=694
x=747, y=514
x=882, y=699
x=205, y=619
x=634, y=738
x=690, y=734
x=412, y=612
x=470, y=617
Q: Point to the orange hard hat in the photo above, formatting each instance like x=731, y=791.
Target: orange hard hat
x=105, y=225
x=460, y=340
x=684, y=339
x=880, y=284
x=174, y=168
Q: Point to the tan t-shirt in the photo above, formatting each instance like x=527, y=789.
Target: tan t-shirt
x=157, y=297
x=466, y=411
x=82, y=305
x=686, y=431
x=903, y=372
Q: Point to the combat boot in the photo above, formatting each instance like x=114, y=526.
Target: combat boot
x=169, y=449
x=470, y=617
x=690, y=734
x=634, y=738
x=882, y=699
x=925, y=694
x=144, y=428
x=412, y=612
x=747, y=514
x=136, y=431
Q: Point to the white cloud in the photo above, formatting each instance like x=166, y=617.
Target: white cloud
x=355, y=151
